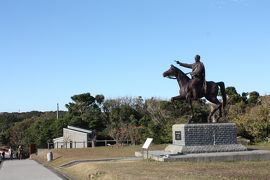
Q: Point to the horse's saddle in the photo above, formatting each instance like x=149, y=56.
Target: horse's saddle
x=200, y=90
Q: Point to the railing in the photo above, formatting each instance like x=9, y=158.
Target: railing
x=84, y=144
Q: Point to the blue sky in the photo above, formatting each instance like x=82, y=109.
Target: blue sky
x=51, y=50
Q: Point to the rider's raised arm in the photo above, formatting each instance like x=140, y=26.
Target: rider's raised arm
x=186, y=65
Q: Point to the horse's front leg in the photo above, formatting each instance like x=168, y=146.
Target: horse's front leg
x=192, y=111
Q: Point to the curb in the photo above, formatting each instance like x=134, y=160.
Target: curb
x=72, y=163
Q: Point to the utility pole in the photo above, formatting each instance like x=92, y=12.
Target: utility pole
x=57, y=112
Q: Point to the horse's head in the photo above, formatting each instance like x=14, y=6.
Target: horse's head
x=170, y=72
x=175, y=73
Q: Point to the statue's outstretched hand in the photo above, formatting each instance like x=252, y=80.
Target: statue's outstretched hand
x=177, y=62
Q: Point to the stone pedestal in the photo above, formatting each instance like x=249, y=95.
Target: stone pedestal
x=203, y=138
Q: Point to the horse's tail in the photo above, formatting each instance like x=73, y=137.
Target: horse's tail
x=223, y=93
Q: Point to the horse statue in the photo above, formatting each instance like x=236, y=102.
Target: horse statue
x=210, y=92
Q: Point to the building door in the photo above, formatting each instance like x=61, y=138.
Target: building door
x=70, y=144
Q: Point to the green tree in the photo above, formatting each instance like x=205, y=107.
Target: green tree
x=254, y=123
x=85, y=111
x=17, y=131
x=39, y=133
x=123, y=118
x=254, y=98
x=233, y=96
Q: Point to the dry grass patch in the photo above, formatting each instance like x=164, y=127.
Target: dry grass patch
x=176, y=170
x=62, y=156
x=152, y=169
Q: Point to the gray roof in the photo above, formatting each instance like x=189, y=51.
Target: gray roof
x=79, y=129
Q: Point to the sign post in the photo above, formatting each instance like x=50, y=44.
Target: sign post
x=146, y=146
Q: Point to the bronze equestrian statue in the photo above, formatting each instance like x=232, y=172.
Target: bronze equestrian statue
x=198, y=76
x=197, y=87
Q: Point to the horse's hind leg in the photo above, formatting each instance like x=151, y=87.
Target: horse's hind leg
x=212, y=113
x=215, y=101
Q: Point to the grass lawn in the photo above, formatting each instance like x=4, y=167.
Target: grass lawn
x=143, y=169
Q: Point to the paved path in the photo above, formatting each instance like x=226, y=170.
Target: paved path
x=25, y=169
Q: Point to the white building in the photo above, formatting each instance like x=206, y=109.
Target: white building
x=73, y=137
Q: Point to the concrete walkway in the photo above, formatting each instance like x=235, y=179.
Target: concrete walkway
x=25, y=169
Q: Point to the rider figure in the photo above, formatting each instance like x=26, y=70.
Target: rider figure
x=197, y=83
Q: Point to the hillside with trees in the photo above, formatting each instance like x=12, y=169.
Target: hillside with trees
x=132, y=118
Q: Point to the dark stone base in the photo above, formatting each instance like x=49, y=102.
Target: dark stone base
x=176, y=149
x=204, y=138
x=204, y=134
